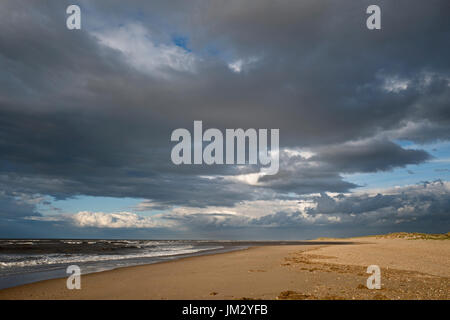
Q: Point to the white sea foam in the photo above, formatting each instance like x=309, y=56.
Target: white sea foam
x=73, y=242
x=17, y=261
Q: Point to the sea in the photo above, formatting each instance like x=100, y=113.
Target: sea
x=25, y=261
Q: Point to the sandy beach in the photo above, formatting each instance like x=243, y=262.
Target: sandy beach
x=410, y=269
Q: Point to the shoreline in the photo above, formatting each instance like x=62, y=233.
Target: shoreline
x=336, y=270
x=60, y=273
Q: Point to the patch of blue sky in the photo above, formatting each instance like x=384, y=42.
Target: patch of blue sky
x=182, y=42
x=436, y=168
x=90, y=203
x=212, y=49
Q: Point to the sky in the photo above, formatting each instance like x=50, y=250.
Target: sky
x=86, y=118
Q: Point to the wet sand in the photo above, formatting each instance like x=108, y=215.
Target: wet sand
x=410, y=269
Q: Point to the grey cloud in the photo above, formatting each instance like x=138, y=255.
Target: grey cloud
x=321, y=172
x=430, y=200
x=77, y=119
x=370, y=156
x=16, y=206
x=421, y=207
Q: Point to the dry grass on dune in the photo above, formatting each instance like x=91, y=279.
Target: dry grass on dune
x=402, y=235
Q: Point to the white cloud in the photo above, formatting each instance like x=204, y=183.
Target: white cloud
x=141, y=51
x=113, y=220
x=251, y=209
x=236, y=66
x=239, y=65
x=371, y=207
x=377, y=207
x=254, y=179
x=395, y=84
x=290, y=152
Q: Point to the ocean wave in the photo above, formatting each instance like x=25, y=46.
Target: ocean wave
x=17, y=261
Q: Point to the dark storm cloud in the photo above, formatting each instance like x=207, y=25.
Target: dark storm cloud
x=369, y=156
x=15, y=206
x=302, y=176
x=321, y=172
x=77, y=118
